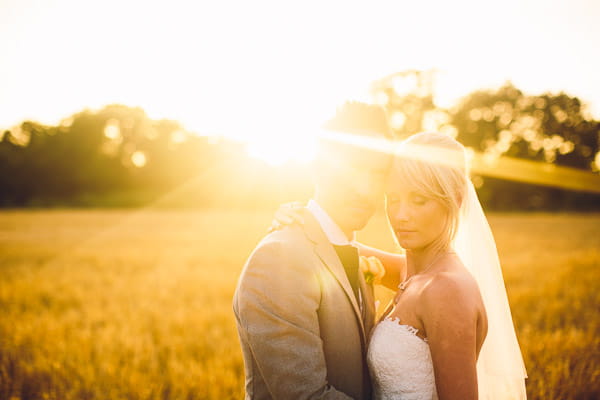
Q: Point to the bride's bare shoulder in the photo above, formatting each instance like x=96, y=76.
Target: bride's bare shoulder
x=453, y=289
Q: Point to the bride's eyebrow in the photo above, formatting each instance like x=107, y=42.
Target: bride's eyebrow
x=417, y=193
x=397, y=192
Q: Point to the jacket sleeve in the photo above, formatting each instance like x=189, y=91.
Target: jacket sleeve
x=277, y=302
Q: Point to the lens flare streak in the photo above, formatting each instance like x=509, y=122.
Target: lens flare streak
x=501, y=167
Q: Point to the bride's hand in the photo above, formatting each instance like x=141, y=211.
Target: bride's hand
x=287, y=214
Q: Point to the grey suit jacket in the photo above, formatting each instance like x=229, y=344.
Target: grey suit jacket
x=303, y=333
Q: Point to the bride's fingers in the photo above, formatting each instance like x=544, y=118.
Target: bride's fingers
x=284, y=217
x=288, y=215
x=296, y=217
x=293, y=206
x=275, y=225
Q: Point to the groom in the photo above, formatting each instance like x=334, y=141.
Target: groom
x=303, y=309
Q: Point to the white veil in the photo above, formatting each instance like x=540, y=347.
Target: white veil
x=500, y=368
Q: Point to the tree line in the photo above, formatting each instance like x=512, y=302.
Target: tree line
x=118, y=156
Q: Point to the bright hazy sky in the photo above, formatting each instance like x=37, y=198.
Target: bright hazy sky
x=223, y=67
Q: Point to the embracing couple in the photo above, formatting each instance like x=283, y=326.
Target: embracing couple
x=306, y=315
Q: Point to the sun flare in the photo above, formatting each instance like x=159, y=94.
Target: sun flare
x=279, y=151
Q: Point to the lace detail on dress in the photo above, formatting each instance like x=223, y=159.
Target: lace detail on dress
x=400, y=363
x=409, y=328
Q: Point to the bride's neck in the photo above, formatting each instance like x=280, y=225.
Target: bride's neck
x=421, y=260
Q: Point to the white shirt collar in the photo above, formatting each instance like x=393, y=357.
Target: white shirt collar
x=333, y=232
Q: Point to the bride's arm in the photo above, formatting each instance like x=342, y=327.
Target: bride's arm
x=449, y=318
x=394, y=265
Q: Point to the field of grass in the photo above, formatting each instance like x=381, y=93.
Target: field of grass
x=98, y=304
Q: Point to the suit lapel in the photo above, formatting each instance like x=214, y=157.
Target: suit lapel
x=368, y=297
x=324, y=249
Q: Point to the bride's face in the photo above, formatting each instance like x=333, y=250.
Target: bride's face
x=417, y=220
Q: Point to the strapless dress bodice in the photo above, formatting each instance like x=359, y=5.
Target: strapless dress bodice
x=400, y=363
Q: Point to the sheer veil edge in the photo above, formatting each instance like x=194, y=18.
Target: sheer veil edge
x=500, y=368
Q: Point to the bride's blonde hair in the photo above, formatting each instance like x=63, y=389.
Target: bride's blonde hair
x=434, y=164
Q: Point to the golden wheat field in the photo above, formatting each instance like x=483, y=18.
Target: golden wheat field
x=136, y=304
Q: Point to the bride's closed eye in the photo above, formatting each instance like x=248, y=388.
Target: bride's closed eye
x=413, y=198
x=418, y=199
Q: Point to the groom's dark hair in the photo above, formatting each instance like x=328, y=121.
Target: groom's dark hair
x=352, y=119
x=365, y=119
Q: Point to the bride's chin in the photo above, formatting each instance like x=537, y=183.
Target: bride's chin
x=405, y=244
x=410, y=244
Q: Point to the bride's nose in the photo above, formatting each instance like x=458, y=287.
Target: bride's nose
x=401, y=213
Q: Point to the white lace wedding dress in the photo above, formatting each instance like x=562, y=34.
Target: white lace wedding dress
x=400, y=363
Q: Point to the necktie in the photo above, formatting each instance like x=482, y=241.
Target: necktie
x=349, y=257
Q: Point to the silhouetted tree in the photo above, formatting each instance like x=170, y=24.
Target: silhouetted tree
x=550, y=128
x=546, y=128
x=408, y=98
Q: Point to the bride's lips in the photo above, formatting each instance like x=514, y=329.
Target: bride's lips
x=404, y=231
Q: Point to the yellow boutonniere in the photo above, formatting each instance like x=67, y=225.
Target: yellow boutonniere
x=372, y=269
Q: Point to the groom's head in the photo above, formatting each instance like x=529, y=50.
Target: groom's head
x=350, y=168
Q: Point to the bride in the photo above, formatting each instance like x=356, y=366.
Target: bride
x=448, y=332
